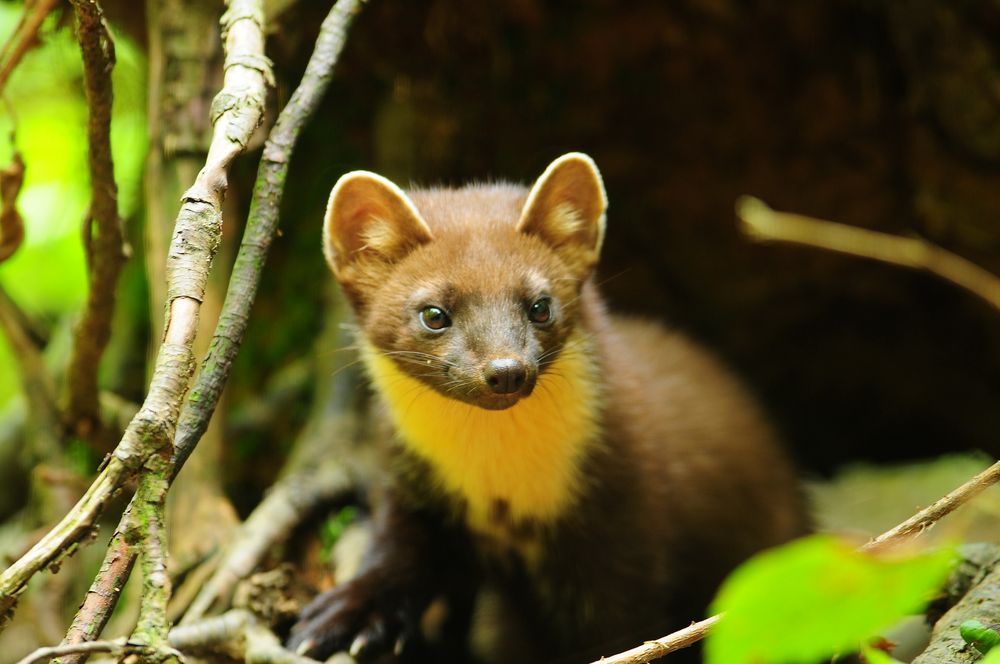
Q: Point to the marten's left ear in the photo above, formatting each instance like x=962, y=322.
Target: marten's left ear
x=566, y=209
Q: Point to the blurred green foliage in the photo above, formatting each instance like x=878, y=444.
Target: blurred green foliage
x=47, y=111
x=817, y=597
x=333, y=529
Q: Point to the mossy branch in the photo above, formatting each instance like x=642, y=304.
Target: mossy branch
x=236, y=114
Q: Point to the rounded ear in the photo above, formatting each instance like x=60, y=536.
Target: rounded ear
x=566, y=207
x=368, y=219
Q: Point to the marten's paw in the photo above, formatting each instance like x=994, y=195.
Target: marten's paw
x=358, y=617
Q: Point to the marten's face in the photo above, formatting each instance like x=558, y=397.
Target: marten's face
x=473, y=292
x=477, y=316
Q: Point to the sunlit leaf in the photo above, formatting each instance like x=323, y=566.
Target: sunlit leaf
x=816, y=597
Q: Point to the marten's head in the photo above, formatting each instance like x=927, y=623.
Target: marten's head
x=472, y=291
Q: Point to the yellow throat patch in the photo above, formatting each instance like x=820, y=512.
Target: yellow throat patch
x=528, y=455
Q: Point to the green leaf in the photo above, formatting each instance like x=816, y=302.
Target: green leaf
x=993, y=657
x=816, y=597
x=983, y=637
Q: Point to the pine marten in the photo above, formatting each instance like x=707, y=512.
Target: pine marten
x=589, y=478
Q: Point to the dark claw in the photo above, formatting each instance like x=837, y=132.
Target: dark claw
x=357, y=618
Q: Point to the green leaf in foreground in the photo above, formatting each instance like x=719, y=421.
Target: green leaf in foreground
x=993, y=657
x=816, y=597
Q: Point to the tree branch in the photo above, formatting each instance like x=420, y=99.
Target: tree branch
x=651, y=650
x=25, y=37
x=762, y=223
x=236, y=112
x=237, y=630
x=118, y=647
x=926, y=518
x=106, y=252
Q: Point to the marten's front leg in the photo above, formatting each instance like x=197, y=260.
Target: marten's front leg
x=413, y=559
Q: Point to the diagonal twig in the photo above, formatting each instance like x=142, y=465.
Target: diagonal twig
x=24, y=38
x=762, y=223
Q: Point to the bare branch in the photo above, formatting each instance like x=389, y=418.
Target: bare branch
x=25, y=37
x=90, y=619
x=651, y=650
x=927, y=517
x=764, y=224
x=118, y=647
x=236, y=113
x=103, y=235
x=238, y=630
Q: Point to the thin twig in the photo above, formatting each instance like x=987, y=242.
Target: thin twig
x=764, y=224
x=237, y=111
x=104, y=238
x=927, y=517
x=651, y=650
x=24, y=38
x=118, y=647
x=242, y=636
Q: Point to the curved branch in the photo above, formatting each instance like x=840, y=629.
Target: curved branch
x=25, y=37
x=764, y=224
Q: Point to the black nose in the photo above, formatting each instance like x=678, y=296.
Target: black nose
x=505, y=376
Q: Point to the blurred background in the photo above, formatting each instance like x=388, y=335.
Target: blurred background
x=868, y=112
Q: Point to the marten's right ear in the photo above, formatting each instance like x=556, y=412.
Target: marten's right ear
x=369, y=219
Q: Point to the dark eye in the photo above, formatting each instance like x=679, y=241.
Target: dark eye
x=541, y=311
x=434, y=319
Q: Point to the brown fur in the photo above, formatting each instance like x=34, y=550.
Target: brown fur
x=682, y=481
